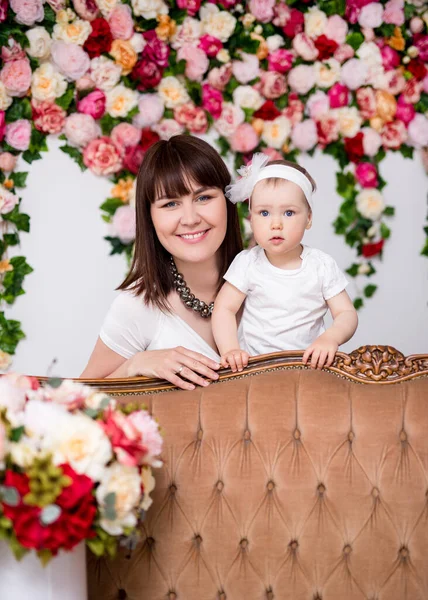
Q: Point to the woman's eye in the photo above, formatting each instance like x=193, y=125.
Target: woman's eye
x=170, y=204
x=203, y=198
x=264, y=213
x=289, y=213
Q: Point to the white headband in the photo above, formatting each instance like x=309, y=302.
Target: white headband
x=257, y=171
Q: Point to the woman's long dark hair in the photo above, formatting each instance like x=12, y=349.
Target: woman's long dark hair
x=167, y=168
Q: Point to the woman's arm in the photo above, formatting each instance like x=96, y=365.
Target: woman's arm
x=104, y=362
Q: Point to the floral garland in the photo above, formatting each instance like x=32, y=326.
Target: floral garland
x=111, y=77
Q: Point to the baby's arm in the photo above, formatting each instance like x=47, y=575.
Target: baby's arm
x=345, y=321
x=225, y=330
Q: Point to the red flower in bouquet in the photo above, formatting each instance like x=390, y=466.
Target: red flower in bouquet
x=100, y=39
x=155, y=49
x=147, y=74
x=326, y=47
x=125, y=438
x=370, y=250
x=417, y=69
x=268, y=111
x=354, y=147
x=148, y=138
x=133, y=158
x=295, y=23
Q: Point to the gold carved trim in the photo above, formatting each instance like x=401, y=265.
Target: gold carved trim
x=380, y=365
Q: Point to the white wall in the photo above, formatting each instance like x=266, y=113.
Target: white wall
x=74, y=279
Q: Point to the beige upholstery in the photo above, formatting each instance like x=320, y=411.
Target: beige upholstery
x=285, y=485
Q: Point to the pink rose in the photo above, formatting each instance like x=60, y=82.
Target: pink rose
x=280, y=60
x=102, y=157
x=327, y=129
x=412, y=91
x=4, y=5
x=212, y=100
x=394, y=82
x=7, y=161
x=148, y=430
x=192, y=117
x=80, y=129
x=18, y=134
x=8, y=201
x=27, y=12
x=71, y=60
x=262, y=9
x=405, y=112
x=151, y=109
x=3, y=440
x=197, y=62
x=305, y=47
x=219, y=77
x=304, y=135
x=247, y=69
x=422, y=45
x=425, y=84
x=344, y=52
x=125, y=439
x=318, y=104
x=336, y=29
x=366, y=100
x=231, y=117
x=192, y=6
x=210, y=45
x=272, y=153
x=93, y=104
x=366, y=174
x=84, y=83
x=57, y=5
x=133, y=158
x=390, y=58
x=338, y=95
x=371, y=141
x=354, y=73
x=86, y=9
x=282, y=14
x=394, y=134
x=121, y=22
x=272, y=85
x=418, y=131
x=167, y=128
x=416, y=25
x=16, y=77
x=155, y=49
x=301, y=79
x=124, y=135
x=48, y=116
x=371, y=15
x=2, y=124
x=394, y=12
x=123, y=224
x=294, y=110
x=244, y=139
x=13, y=51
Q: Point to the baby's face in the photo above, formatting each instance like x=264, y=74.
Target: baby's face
x=280, y=215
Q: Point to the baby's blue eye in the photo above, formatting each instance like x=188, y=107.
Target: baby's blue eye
x=289, y=213
x=264, y=213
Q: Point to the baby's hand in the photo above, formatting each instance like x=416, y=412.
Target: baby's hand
x=323, y=351
x=235, y=359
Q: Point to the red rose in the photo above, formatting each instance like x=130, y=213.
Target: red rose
x=155, y=49
x=326, y=47
x=148, y=138
x=417, y=68
x=147, y=74
x=327, y=129
x=100, y=38
x=133, y=158
x=370, y=250
x=354, y=147
x=268, y=111
x=294, y=25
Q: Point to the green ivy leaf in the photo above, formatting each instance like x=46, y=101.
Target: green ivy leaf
x=358, y=303
x=19, y=179
x=13, y=280
x=30, y=157
x=195, y=91
x=10, y=239
x=355, y=39
x=389, y=211
x=17, y=433
x=117, y=246
x=369, y=290
x=75, y=154
x=20, y=220
x=66, y=99
x=346, y=185
x=353, y=270
x=386, y=29
x=385, y=231
x=223, y=145
x=111, y=205
x=19, y=109
x=50, y=18
x=406, y=151
x=107, y=123
x=10, y=334
x=38, y=141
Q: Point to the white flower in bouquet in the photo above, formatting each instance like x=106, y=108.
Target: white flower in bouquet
x=370, y=203
x=149, y=9
x=76, y=32
x=120, y=101
x=69, y=393
x=13, y=399
x=218, y=23
x=119, y=513
x=172, y=92
x=25, y=451
x=149, y=483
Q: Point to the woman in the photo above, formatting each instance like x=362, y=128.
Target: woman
x=187, y=236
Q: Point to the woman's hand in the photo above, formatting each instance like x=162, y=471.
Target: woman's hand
x=322, y=351
x=175, y=365
x=235, y=359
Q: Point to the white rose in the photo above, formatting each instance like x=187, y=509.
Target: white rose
x=149, y=483
x=276, y=132
x=246, y=96
x=99, y=400
x=370, y=54
x=47, y=83
x=218, y=23
x=138, y=42
x=223, y=56
x=76, y=32
x=349, y=121
x=315, y=22
x=370, y=203
x=231, y=116
x=125, y=483
x=106, y=6
x=166, y=128
x=187, y=34
x=327, y=73
x=5, y=99
x=364, y=269
x=24, y=452
x=120, y=101
x=5, y=360
x=40, y=43
x=371, y=141
x=301, y=79
x=274, y=42
x=105, y=73
x=149, y=9
x=172, y=92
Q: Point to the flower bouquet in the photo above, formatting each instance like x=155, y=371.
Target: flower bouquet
x=73, y=468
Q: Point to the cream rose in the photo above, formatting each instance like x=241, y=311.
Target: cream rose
x=106, y=6
x=274, y=42
x=149, y=483
x=120, y=101
x=172, y=92
x=40, y=43
x=149, y=9
x=218, y=23
x=315, y=22
x=5, y=99
x=370, y=203
x=246, y=96
x=47, y=83
x=105, y=73
x=76, y=32
x=125, y=483
x=327, y=73
x=276, y=132
x=24, y=452
x=349, y=121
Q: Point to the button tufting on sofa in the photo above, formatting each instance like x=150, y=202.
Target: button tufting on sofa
x=221, y=596
x=244, y=544
x=269, y=595
x=347, y=550
x=247, y=435
x=375, y=492
x=351, y=436
x=294, y=544
x=172, y=488
x=172, y=596
x=270, y=486
x=404, y=553
x=321, y=489
x=199, y=435
x=219, y=486
x=403, y=436
x=121, y=594
x=296, y=434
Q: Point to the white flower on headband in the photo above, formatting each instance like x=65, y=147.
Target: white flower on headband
x=243, y=188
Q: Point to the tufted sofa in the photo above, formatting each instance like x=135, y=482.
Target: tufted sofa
x=284, y=483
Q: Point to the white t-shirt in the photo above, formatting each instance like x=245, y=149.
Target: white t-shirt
x=284, y=309
x=131, y=326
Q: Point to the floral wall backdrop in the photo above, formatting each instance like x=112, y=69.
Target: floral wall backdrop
x=110, y=78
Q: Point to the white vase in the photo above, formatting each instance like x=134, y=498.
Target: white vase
x=64, y=577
